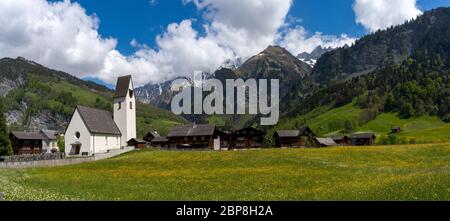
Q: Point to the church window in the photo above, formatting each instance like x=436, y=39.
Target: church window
x=131, y=93
x=120, y=105
x=77, y=135
x=106, y=141
x=131, y=105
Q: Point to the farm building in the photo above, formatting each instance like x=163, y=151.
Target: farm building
x=193, y=136
x=395, y=129
x=325, y=142
x=92, y=131
x=342, y=140
x=151, y=135
x=43, y=141
x=294, y=138
x=363, y=139
x=248, y=137
x=137, y=143
x=160, y=142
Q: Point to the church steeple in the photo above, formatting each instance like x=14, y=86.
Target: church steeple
x=125, y=108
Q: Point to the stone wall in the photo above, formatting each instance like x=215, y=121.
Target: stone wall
x=65, y=161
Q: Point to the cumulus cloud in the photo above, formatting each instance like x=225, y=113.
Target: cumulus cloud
x=380, y=14
x=297, y=40
x=59, y=35
x=62, y=36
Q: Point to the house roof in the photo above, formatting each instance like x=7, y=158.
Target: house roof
x=50, y=134
x=340, y=137
x=326, y=141
x=123, y=83
x=21, y=135
x=306, y=129
x=288, y=133
x=250, y=128
x=137, y=140
x=159, y=139
x=154, y=133
x=362, y=135
x=192, y=130
x=98, y=121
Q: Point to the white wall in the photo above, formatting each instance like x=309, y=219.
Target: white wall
x=125, y=117
x=77, y=124
x=103, y=143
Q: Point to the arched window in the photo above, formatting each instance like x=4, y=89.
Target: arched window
x=131, y=105
x=77, y=135
x=120, y=105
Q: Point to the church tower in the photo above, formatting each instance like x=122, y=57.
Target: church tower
x=125, y=108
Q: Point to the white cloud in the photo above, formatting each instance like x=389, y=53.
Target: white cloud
x=296, y=40
x=381, y=14
x=62, y=36
x=59, y=35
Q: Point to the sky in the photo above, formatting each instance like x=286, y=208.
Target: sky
x=156, y=40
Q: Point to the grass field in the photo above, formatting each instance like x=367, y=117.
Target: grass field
x=408, y=172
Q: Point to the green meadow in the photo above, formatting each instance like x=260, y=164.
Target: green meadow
x=402, y=172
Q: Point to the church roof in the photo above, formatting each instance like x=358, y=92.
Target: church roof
x=98, y=121
x=123, y=83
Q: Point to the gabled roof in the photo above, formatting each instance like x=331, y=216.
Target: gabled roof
x=123, y=83
x=28, y=135
x=339, y=137
x=303, y=130
x=362, y=136
x=192, y=130
x=98, y=121
x=326, y=141
x=139, y=141
x=250, y=128
x=288, y=133
x=50, y=134
x=154, y=133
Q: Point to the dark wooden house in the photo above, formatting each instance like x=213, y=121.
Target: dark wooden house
x=151, y=135
x=325, y=142
x=248, y=137
x=27, y=142
x=363, y=139
x=197, y=136
x=303, y=137
x=395, y=129
x=161, y=142
x=342, y=140
x=137, y=143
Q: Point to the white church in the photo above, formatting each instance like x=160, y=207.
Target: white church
x=91, y=131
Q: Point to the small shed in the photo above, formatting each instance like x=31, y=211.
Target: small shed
x=395, y=129
x=326, y=142
x=363, y=139
x=137, y=143
x=342, y=140
x=160, y=142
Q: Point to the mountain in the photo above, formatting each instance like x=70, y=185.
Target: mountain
x=311, y=58
x=41, y=98
x=381, y=49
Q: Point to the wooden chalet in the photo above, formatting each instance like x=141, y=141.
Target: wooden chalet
x=325, y=142
x=363, y=139
x=342, y=140
x=161, y=142
x=303, y=137
x=151, y=135
x=137, y=143
x=197, y=136
x=27, y=142
x=396, y=129
x=248, y=137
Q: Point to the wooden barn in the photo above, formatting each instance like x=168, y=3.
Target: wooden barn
x=363, y=139
x=325, y=142
x=161, y=142
x=248, y=137
x=192, y=136
x=137, y=143
x=304, y=137
x=342, y=140
x=151, y=135
x=27, y=142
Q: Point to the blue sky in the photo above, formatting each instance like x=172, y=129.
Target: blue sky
x=143, y=21
x=91, y=39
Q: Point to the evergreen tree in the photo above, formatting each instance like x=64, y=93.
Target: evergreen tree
x=5, y=144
